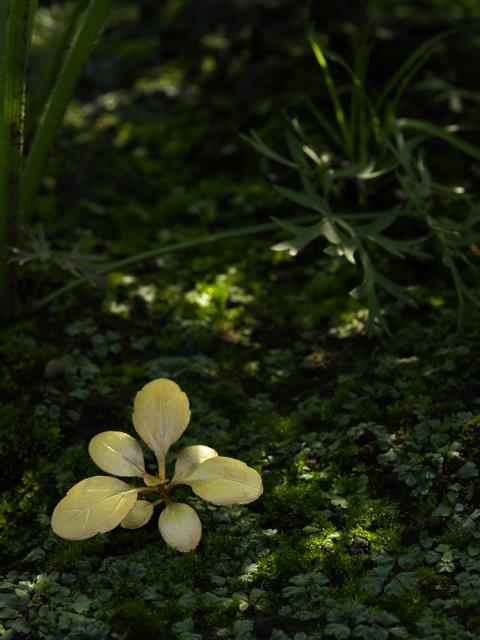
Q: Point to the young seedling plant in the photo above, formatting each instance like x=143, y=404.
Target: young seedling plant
x=160, y=416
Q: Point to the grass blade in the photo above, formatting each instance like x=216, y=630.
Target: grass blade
x=363, y=117
x=421, y=54
x=325, y=124
x=332, y=90
x=257, y=143
x=361, y=106
x=83, y=41
x=441, y=133
x=38, y=94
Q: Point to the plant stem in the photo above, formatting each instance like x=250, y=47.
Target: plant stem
x=15, y=17
x=83, y=41
x=161, y=469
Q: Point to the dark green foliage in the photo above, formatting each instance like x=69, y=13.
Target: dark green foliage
x=133, y=616
x=369, y=525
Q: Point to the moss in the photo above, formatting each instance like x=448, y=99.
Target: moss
x=20, y=508
x=343, y=566
x=121, y=376
x=216, y=545
x=134, y=616
x=66, y=556
x=285, y=562
x=26, y=441
x=189, y=568
x=374, y=519
x=222, y=614
x=294, y=505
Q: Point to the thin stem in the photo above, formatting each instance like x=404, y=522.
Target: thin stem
x=161, y=469
x=149, y=489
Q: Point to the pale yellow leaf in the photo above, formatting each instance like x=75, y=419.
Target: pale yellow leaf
x=188, y=460
x=94, y=505
x=225, y=481
x=139, y=515
x=161, y=414
x=180, y=526
x=117, y=453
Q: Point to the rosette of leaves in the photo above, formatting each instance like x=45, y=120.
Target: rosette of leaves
x=98, y=504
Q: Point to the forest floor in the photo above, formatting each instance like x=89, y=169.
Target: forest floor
x=369, y=524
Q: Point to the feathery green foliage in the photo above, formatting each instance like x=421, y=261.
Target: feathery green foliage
x=366, y=152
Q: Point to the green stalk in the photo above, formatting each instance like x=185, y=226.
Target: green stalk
x=39, y=95
x=15, y=32
x=3, y=208
x=171, y=248
x=332, y=90
x=83, y=42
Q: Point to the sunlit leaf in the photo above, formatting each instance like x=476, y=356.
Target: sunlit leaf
x=117, y=453
x=305, y=235
x=188, y=460
x=180, y=526
x=94, y=505
x=225, y=481
x=161, y=414
x=139, y=515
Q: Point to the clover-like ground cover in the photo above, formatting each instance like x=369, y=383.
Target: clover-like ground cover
x=369, y=525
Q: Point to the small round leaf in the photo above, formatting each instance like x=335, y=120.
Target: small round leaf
x=138, y=516
x=189, y=459
x=180, y=526
x=225, y=481
x=94, y=505
x=117, y=453
x=161, y=414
